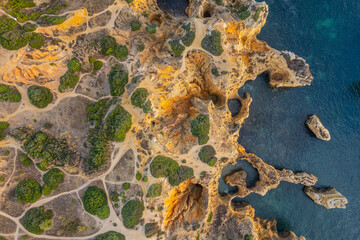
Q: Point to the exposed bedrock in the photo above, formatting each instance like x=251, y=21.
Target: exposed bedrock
x=328, y=197
x=315, y=125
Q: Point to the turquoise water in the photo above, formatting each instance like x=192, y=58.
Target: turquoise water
x=327, y=34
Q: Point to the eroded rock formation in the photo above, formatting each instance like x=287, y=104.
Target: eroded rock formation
x=315, y=125
x=328, y=197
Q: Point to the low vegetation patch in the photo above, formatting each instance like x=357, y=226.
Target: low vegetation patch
x=163, y=166
x=28, y=191
x=35, y=40
x=99, y=151
x=135, y=25
x=3, y=127
x=53, y=178
x=132, y=213
x=140, y=99
x=68, y=80
x=151, y=29
x=98, y=65
x=37, y=220
x=188, y=38
x=212, y=43
x=26, y=161
x=207, y=155
x=118, y=123
x=182, y=174
x=176, y=47
x=154, y=190
x=9, y=94
x=117, y=79
x=49, y=150
x=95, y=202
x=39, y=96
x=110, y=47
x=111, y=235
x=200, y=128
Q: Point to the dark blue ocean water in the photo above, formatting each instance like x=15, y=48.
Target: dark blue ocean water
x=327, y=34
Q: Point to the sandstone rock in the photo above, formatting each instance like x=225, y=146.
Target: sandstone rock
x=317, y=128
x=328, y=197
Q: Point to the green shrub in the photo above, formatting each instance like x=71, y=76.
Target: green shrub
x=207, y=153
x=257, y=13
x=95, y=202
x=98, y=153
x=244, y=15
x=108, y=45
x=92, y=59
x=176, y=47
x=141, y=47
x=36, y=40
x=219, y=2
x=53, y=178
x=121, y=52
x=68, y=80
x=212, y=43
x=209, y=217
x=28, y=191
x=154, y=190
x=39, y=96
x=186, y=27
x=132, y=212
x=4, y=126
x=118, y=123
x=163, y=166
x=151, y=29
x=20, y=4
x=49, y=150
x=200, y=128
x=135, y=25
x=111, y=235
x=13, y=40
x=138, y=176
x=103, y=212
x=37, y=220
x=182, y=174
x=147, y=107
x=188, y=38
x=138, y=98
x=46, y=190
x=26, y=161
x=74, y=65
x=98, y=65
x=126, y=186
x=29, y=27
x=50, y=20
x=7, y=24
x=9, y=94
x=249, y=237
x=117, y=79
x=215, y=72
x=97, y=111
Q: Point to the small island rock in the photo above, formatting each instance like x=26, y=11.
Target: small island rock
x=317, y=128
x=328, y=197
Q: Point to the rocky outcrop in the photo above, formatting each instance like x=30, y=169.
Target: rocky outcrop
x=328, y=197
x=315, y=125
